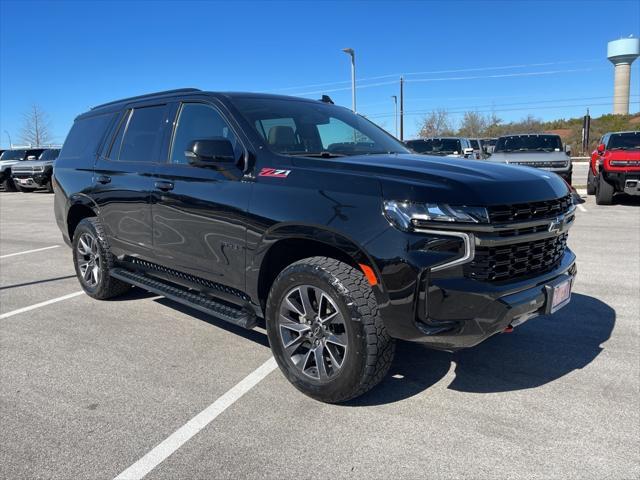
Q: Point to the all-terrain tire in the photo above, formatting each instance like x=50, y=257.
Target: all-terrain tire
x=370, y=348
x=106, y=286
x=604, y=191
x=591, y=183
x=9, y=185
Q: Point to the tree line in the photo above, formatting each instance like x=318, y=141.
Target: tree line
x=439, y=123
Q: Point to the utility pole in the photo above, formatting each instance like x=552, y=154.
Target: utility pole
x=395, y=102
x=401, y=109
x=352, y=54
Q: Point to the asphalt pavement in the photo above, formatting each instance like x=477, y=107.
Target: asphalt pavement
x=89, y=388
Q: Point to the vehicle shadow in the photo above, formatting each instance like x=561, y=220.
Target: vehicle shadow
x=536, y=353
x=632, y=200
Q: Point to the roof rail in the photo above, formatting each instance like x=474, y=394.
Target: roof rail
x=148, y=95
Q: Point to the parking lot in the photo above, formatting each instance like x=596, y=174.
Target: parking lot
x=89, y=388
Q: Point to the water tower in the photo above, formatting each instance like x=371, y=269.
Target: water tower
x=622, y=53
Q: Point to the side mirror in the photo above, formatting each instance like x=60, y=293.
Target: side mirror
x=601, y=148
x=210, y=152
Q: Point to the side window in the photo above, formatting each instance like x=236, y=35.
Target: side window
x=114, y=153
x=85, y=136
x=142, y=135
x=198, y=121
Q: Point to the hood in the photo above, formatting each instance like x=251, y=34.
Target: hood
x=622, y=154
x=524, y=157
x=36, y=163
x=423, y=178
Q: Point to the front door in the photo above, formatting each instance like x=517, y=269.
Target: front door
x=199, y=212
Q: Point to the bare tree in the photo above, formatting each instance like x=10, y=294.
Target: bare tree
x=436, y=124
x=36, y=129
x=473, y=125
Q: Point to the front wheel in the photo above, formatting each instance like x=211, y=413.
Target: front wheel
x=9, y=185
x=325, y=331
x=604, y=191
x=591, y=183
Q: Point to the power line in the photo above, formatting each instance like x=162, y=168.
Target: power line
x=436, y=72
x=475, y=77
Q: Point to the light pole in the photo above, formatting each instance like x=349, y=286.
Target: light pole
x=395, y=102
x=10, y=142
x=352, y=54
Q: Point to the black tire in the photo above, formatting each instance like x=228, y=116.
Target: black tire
x=25, y=190
x=368, y=351
x=49, y=186
x=104, y=286
x=604, y=191
x=9, y=185
x=591, y=183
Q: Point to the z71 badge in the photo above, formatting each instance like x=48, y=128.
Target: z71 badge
x=274, y=172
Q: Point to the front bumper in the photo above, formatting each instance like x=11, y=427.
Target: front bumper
x=455, y=313
x=624, y=182
x=35, y=180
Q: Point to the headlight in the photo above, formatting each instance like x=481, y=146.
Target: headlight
x=407, y=215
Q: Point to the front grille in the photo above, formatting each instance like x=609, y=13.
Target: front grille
x=529, y=211
x=554, y=164
x=508, y=262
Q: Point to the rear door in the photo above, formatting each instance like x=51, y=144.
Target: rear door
x=199, y=213
x=124, y=178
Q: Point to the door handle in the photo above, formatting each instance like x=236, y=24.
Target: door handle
x=164, y=186
x=103, y=179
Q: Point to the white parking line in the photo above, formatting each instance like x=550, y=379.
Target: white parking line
x=38, y=305
x=29, y=251
x=581, y=208
x=178, y=438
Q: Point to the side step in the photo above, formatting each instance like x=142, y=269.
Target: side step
x=237, y=316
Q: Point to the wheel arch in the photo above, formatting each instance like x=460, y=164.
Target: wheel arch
x=279, y=250
x=81, y=207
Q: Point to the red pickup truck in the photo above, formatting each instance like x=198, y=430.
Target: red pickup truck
x=615, y=167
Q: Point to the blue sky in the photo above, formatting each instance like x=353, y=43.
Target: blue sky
x=513, y=58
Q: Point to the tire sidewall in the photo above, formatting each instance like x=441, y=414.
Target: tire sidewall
x=355, y=360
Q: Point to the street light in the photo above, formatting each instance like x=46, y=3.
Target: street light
x=350, y=52
x=395, y=101
x=10, y=142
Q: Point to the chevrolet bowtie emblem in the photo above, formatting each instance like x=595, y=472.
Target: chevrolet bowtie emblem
x=556, y=225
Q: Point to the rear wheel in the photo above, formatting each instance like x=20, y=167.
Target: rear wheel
x=325, y=331
x=9, y=185
x=93, y=261
x=604, y=191
x=591, y=183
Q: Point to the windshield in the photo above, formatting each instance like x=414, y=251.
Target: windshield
x=297, y=127
x=436, y=146
x=50, y=154
x=474, y=144
x=624, y=141
x=13, y=155
x=525, y=143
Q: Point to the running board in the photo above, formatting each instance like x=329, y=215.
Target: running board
x=237, y=316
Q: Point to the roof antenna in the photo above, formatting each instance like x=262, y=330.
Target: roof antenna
x=326, y=99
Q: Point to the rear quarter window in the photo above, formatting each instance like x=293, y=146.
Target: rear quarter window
x=85, y=136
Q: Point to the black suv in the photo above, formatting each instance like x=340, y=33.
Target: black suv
x=306, y=216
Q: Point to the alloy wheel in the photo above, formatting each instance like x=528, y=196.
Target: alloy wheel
x=88, y=259
x=313, y=332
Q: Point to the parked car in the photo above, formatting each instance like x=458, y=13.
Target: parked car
x=442, y=146
x=34, y=174
x=306, y=215
x=488, y=144
x=615, y=167
x=11, y=157
x=476, y=144
x=538, y=150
